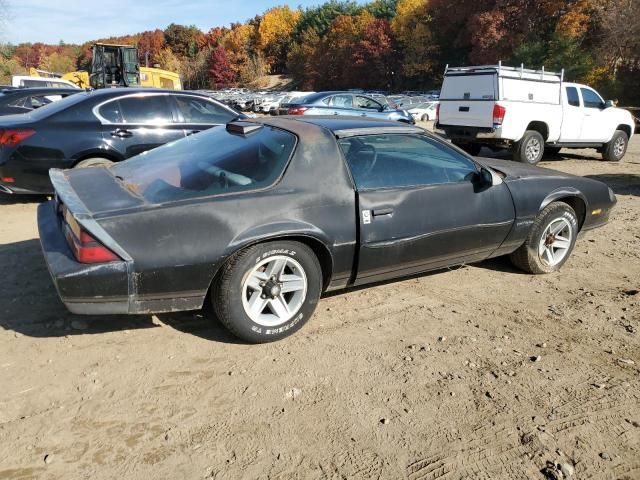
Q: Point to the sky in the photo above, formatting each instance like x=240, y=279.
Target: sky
x=77, y=21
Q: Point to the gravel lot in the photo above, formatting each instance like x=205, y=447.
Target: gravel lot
x=473, y=372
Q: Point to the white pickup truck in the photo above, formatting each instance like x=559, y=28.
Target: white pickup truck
x=529, y=112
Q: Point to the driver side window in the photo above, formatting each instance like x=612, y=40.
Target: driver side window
x=368, y=103
x=591, y=99
x=403, y=160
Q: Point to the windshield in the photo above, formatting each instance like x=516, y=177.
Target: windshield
x=210, y=163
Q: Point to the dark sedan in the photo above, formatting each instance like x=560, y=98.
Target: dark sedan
x=347, y=104
x=24, y=100
x=98, y=128
x=259, y=218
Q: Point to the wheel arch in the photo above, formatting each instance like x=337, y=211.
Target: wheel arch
x=312, y=239
x=541, y=127
x=108, y=155
x=626, y=129
x=572, y=197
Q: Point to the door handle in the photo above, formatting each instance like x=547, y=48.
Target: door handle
x=121, y=133
x=382, y=211
x=193, y=132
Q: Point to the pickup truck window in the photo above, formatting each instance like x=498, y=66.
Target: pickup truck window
x=572, y=96
x=591, y=99
x=395, y=161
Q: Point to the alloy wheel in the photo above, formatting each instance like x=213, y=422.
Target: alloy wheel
x=274, y=290
x=533, y=150
x=555, y=242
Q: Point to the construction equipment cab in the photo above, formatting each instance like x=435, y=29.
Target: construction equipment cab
x=114, y=65
x=528, y=112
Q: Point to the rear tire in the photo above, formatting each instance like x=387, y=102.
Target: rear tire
x=550, y=240
x=616, y=148
x=530, y=148
x=425, y=118
x=94, y=162
x=268, y=291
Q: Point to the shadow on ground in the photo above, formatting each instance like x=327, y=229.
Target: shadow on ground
x=6, y=199
x=620, y=183
x=29, y=304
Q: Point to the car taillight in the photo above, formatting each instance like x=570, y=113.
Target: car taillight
x=297, y=110
x=438, y=113
x=498, y=114
x=11, y=138
x=87, y=249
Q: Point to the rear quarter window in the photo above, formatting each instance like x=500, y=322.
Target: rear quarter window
x=214, y=162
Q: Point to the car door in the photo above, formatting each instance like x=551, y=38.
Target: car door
x=136, y=123
x=594, y=128
x=421, y=206
x=572, y=116
x=197, y=113
x=341, y=104
x=368, y=107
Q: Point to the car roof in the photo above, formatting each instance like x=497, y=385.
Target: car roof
x=342, y=126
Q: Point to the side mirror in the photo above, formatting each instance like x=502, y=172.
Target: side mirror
x=488, y=178
x=609, y=104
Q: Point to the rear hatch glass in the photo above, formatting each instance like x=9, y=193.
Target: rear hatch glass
x=210, y=163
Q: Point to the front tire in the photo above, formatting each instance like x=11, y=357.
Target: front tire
x=550, y=240
x=616, y=148
x=268, y=291
x=530, y=148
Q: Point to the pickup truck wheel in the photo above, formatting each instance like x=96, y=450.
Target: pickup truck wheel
x=616, y=148
x=94, y=162
x=550, y=240
x=530, y=148
x=268, y=291
x=425, y=118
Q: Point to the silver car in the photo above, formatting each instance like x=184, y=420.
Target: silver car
x=346, y=103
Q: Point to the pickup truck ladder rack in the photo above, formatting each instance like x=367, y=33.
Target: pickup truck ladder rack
x=502, y=68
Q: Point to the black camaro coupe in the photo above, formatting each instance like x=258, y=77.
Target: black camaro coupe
x=262, y=216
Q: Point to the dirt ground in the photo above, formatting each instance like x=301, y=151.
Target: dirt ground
x=468, y=373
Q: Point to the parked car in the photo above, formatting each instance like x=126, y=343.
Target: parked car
x=259, y=218
x=24, y=100
x=424, y=111
x=97, y=128
x=346, y=103
x=25, y=81
x=289, y=99
x=529, y=112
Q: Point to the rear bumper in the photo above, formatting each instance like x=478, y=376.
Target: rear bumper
x=464, y=133
x=83, y=288
x=99, y=289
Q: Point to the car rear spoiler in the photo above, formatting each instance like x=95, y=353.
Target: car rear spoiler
x=66, y=195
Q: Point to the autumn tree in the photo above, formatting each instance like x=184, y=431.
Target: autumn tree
x=320, y=18
x=220, y=72
x=374, y=57
x=412, y=27
x=58, y=63
x=182, y=40
x=274, y=35
x=150, y=43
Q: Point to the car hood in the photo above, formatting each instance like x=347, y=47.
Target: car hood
x=516, y=171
